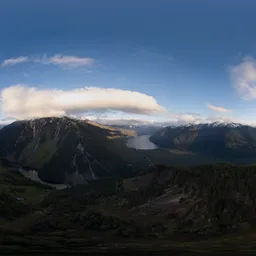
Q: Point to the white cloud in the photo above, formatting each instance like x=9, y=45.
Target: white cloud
x=219, y=109
x=71, y=61
x=244, y=78
x=167, y=120
x=121, y=121
x=61, y=60
x=7, y=121
x=21, y=102
x=186, y=118
x=14, y=61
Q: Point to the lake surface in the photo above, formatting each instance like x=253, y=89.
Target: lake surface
x=33, y=175
x=141, y=142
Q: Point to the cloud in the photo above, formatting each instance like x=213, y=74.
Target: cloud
x=121, y=121
x=180, y=119
x=60, y=60
x=71, y=61
x=21, y=102
x=219, y=109
x=14, y=61
x=6, y=121
x=184, y=118
x=243, y=76
x=170, y=119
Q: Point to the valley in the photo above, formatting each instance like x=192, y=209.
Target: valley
x=127, y=127
x=74, y=185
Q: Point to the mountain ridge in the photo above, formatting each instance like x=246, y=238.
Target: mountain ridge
x=62, y=147
x=219, y=139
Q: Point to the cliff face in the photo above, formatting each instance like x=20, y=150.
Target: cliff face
x=63, y=149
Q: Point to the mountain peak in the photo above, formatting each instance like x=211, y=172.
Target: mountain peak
x=63, y=148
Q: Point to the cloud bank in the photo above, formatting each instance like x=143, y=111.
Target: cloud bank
x=172, y=120
x=21, y=102
x=244, y=78
x=60, y=60
x=219, y=109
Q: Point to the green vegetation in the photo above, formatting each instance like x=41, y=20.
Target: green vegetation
x=208, y=207
x=236, y=144
x=21, y=188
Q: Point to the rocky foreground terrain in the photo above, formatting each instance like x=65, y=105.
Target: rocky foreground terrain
x=209, y=207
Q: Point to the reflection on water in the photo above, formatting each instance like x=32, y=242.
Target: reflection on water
x=33, y=175
x=141, y=142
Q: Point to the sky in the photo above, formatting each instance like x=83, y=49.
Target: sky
x=178, y=61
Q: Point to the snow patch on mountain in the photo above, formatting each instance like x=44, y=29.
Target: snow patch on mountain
x=212, y=125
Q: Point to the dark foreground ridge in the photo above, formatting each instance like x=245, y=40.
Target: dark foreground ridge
x=198, y=209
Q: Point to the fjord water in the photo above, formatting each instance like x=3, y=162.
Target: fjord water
x=141, y=142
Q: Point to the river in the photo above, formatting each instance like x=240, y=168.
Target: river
x=141, y=142
x=33, y=175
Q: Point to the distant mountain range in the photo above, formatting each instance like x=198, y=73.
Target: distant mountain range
x=65, y=150
x=230, y=141
x=140, y=126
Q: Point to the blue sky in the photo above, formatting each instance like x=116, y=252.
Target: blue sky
x=189, y=60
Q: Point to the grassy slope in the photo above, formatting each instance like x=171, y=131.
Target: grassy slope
x=14, y=183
